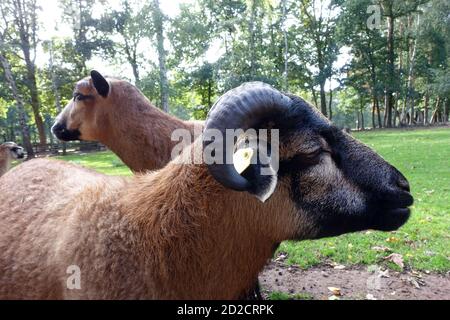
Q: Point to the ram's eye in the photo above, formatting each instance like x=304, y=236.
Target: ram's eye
x=314, y=154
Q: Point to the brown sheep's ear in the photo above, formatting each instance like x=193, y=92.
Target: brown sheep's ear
x=100, y=83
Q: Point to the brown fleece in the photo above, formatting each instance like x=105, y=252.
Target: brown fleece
x=5, y=159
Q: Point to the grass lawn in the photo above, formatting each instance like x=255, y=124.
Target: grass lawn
x=423, y=156
x=105, y=162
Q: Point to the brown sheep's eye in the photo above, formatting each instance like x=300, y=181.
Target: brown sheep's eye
x=77, y=96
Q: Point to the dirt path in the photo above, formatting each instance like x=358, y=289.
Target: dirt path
x=353, y=283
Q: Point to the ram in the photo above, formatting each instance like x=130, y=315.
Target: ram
x=193, y=231
x=8, y=152
x=115, y=113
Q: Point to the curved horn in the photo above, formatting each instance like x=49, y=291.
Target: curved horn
x=241, y=108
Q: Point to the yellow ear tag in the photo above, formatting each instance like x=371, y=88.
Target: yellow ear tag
x=242, y=159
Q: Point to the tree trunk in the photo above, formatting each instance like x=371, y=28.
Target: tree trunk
x=377, y=105
x=330, y=102
x=426, y=104
x=251, y=30
x=409, y=89
x=35, y=104
x=447, y=109
x=373, y=114
x=389, y=98
x=436, y=112
x=56, y=93
x=20, y=106
x=209, y=94
x=159, y=28
x=26, y=24
x=135, y=68
x=132, y=60
x=314, y=97
x=323, y=99
x=362, y=119
x=358, y=121
x=285, y=73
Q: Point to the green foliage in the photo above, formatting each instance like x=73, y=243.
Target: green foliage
x=213, y=46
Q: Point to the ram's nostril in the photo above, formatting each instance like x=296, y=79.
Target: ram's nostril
x=403, y=184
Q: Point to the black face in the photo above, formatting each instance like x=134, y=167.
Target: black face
x=63, y=134
x=340, y=184
x=18, y=151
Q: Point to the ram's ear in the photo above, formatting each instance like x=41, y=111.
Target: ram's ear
x=255, y=165
x=100, y=83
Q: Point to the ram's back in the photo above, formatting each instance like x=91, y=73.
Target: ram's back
x=37, y=202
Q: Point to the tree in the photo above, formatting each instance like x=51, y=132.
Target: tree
x=368, y=50
x=19, y=101
x=393, y=10
x=318, y=25
x=433, y=52
x=88, y=37
x=23, y=15
x=127, y=23
x=158, y=25
x=55, y=82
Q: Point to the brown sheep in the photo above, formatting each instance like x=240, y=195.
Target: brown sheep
x=117, y=114
x=193, y=231
x=8, y=152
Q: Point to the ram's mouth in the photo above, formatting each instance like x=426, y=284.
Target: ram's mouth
x=392, y=219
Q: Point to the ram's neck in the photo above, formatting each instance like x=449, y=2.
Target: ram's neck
x=140, y=134
x=202, y=240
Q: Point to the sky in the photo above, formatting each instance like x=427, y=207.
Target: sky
x=52, y=26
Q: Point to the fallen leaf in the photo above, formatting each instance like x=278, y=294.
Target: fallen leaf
x=384, y=274
x=381, y=248
x=370, y=296
x=335, y=291
x=392, y=239
x=281, y=257
x=396, y=258
x=414, y=282
x=339, y=267
x=333, y=298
